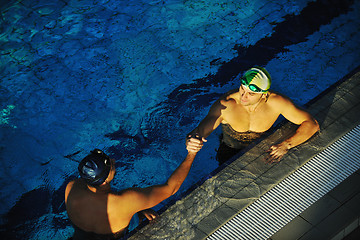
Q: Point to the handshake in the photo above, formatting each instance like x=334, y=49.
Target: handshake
x=194, y=142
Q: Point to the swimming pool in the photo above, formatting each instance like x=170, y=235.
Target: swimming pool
x=133, y=78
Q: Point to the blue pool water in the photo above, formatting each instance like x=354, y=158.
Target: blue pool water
x=133, y=77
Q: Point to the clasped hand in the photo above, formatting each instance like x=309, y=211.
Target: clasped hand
x=194, y=143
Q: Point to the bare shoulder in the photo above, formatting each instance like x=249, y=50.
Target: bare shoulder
x=278, y=100
x=127, y=200
x=68, y=188
x=70, y=184
x=126, y=194
x=117, y=199
x=76, y=184
x=229, y=99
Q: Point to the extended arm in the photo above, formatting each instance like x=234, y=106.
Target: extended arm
x=143, y=198
x=195, y=139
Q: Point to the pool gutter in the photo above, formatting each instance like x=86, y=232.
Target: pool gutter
x=297, y=192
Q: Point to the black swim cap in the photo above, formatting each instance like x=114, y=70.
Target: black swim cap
x=95, y=167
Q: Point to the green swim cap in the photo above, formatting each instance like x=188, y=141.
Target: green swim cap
x=257, y=79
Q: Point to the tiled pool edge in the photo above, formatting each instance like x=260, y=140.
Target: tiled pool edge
x=334, y=216
x=296, y=193
x=243, y=181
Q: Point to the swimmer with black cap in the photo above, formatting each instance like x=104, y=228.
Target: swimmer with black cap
x=247, y=113
x=97, y=212
x=95, y=168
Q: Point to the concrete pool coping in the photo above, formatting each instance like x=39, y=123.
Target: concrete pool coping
x=241, y=182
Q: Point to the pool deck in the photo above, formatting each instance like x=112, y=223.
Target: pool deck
x=238, y=184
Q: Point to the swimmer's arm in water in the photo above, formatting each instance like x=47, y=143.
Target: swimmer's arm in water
x=195, y=139
x=143, y=198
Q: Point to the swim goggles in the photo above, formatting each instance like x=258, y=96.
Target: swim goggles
x=252, y=87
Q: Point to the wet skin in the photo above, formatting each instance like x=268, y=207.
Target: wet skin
x=245, y=110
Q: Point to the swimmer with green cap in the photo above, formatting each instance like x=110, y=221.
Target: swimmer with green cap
x=257, y=79
x=245, y=114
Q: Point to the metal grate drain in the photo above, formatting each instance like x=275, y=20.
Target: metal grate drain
x=295, y=193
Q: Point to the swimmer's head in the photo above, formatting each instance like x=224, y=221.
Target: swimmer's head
x=257, y=79
x=95, y=167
